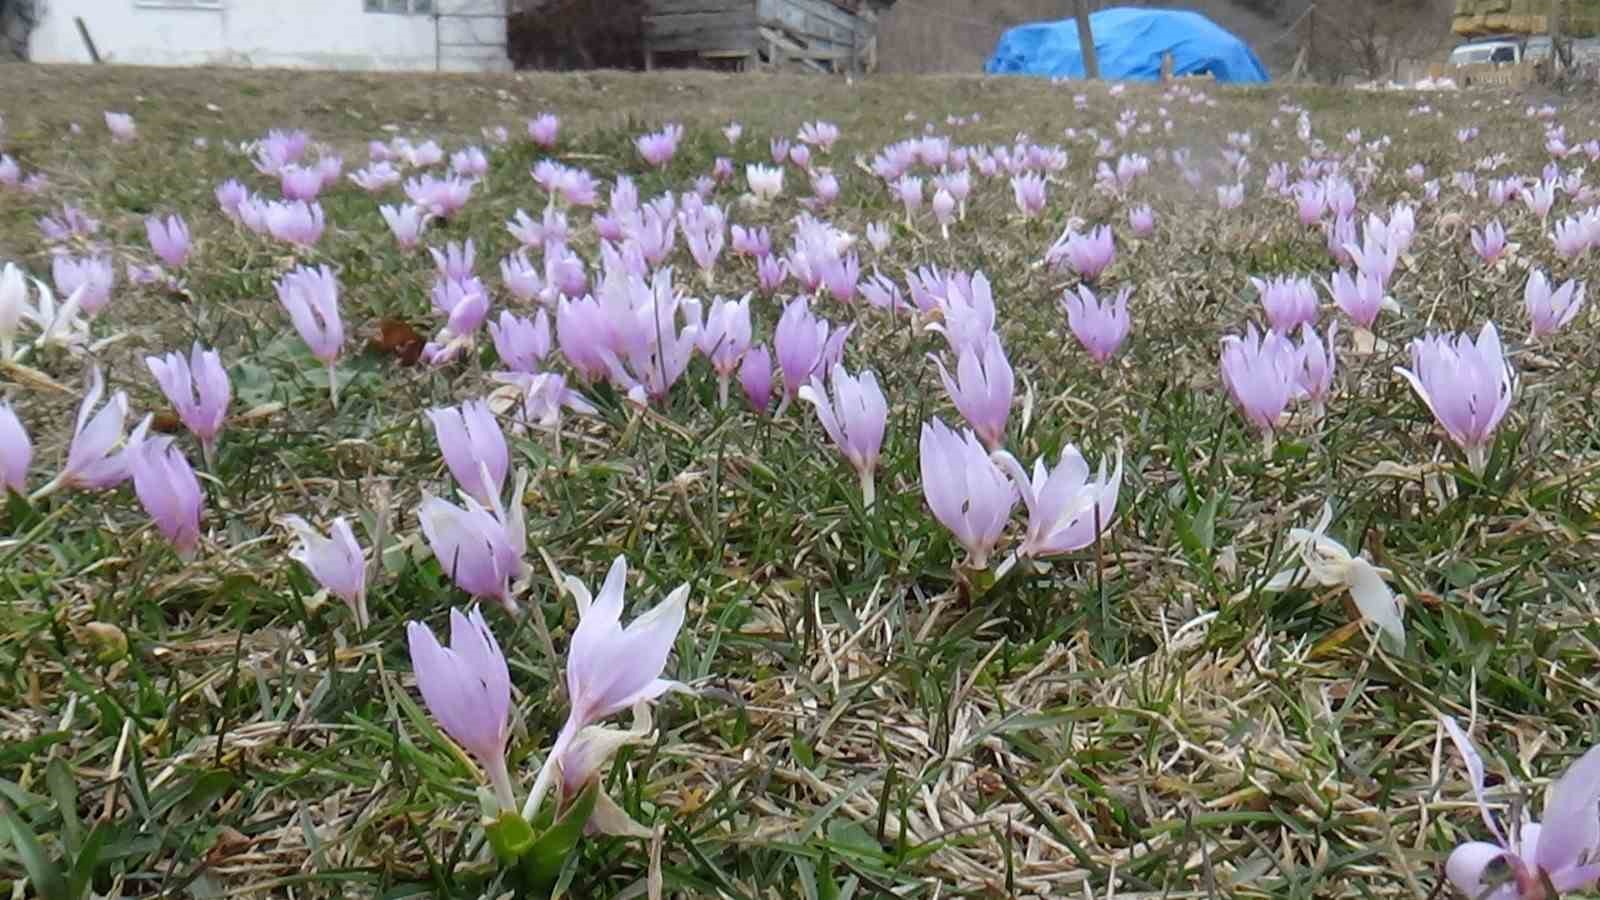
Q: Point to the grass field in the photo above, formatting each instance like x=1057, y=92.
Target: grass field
x=868, y=716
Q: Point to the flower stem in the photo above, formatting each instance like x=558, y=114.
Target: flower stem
x=501, y=779
x=869, y=491
x=333, y=386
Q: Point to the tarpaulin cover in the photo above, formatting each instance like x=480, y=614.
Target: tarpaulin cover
x=1130, y=43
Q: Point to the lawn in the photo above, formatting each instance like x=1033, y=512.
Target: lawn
x=867, y=704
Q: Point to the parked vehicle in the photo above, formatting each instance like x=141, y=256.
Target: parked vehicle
x=1493, y=51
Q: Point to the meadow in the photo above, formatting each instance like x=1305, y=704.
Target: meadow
x=1314, y=520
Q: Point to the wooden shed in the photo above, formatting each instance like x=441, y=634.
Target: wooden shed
x=822, y=35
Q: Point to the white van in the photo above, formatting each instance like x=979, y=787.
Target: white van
x=1491, y=51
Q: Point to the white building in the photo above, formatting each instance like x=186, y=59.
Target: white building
x=415, y=35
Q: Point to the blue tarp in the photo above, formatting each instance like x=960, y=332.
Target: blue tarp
x=1130, y=43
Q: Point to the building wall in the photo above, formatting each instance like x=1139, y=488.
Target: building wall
x=312, y=34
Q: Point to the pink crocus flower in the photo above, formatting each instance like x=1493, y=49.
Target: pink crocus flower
x=1028, y=190
x=1089, y=255
x=1530, y=861
x=1288, y=302
x=821, y=135
x=300, y=182
x=805, y=345
x=377, y=177
x=1550, y=311
x=724, y=339
x=1467, y=384
x=167, y=489
x=755, y=378
x=95, y=460
x=121, y=126
x=1490, y=243
x=10, y=172
x=229, y=195
x=406, y=222
x=335, y=561
x=95, y=275
x=1142, y=221
x=879, y=236
x=16, y=451
x=521, y=344
x=1100, y=326
x=295, y=222
x=968, y=493
x=1318, y=362
x=1067, y=509
x=908, y=189
x=771, y=273
x=480, y=548
x=1359, y=296
x=198, y=389
x=474, y=448
x=800, y=155
x=544, y=129
x=658, y=147
x=467, y=688
x=469, y=162
x=611, y=668
x=854, y=418
x=982, y=389
x=779, y=147
x=1262, y=374
x=456, y=261
x=311, y=297
x=441, y=197
x=169, y=239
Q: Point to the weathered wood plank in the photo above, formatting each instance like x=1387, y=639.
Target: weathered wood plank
x=678, y=7
x=704, y=39
x=688, y=23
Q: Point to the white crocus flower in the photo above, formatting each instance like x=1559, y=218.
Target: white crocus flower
x=1325, y=561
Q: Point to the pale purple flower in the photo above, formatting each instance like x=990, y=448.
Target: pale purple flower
x=819, y=134
x=95, y=460
x=908, y=189
x=1311, y=202
x=1490, y=243
x=1360, y=296
x=420, y=156
x=854, y=418
x=780, y=150
x=879, y=236
x=229, y=195
x=1262, y=374
x=1550, y=311
x=480, y=549
x=198, y=389
x=841, y=276
x=1230, y=196
x=581, y=329
x=378, y=176
x=804, y=344
x=10, y=172
x=330, y=168
x=295, y=222
x=1087, y=254
x=1529, y=860
x=611, y=668
x=455, y=261
x=335, y=561
x=1289, y=302
x=1142, y=221
x=406, y=222
x=1100, y=326
x=16, y=451
x=72, y=223
x=14, y=307
x=800, y=155
x=169, y=239
x=521, y=344
x=544, y=129
x=94, y=274
x=825, y=188
x=1028, y=190
x=467, y=687
x=121, y=126
x=167, y=489
x=442, y=197
x=982, y=388
x=1376, y=255
x=722, y=169
x=1539, y=197
x=771, y=273
x=1067, y=509
x=968, y=493
x=1468, y=386
x=752, y=241
x=300, y=182
x=658, y=147
x=766, y=182
x=724, y=340
x=1315, y=371
x=755, y=378
x=732, y=131
x=279, y=147
x=311, y=297
x=474, y=448
x=469, y=161
x=543, y=396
